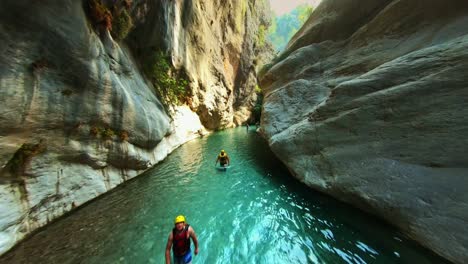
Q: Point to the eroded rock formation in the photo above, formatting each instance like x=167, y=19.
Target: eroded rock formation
x=218, y=45
x=369, y=103
x=78, y=115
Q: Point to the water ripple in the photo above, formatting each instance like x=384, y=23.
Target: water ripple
x=253, y=213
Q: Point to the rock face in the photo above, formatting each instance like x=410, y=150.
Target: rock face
x=78, y=115
x=217, y=44
x=369, y=104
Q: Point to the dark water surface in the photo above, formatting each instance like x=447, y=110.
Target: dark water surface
x=253, y=213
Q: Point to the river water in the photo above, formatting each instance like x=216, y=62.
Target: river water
x=254, y=212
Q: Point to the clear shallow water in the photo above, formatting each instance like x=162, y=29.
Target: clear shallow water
x=253, y=213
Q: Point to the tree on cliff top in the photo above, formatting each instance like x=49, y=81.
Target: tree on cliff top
x=284, y=27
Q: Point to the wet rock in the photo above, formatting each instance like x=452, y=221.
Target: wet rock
x=369, y=104
x=66, y=81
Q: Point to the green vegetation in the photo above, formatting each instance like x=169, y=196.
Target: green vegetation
x=99, y=13
x=282, y=30
x=113, y=17
x=108, y=133
x=261, y=37
x=240, y=16
x=265, y=68
x=95, y=131
x=171, y=85
x=23, y=155
x=284, y=27
x=304, y=12
x=122, y=25
x=257, y=110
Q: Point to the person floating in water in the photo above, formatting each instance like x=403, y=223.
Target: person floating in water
x=223, y=159
x=179, y=240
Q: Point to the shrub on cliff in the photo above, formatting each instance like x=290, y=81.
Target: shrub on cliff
x=257, y=110
x=171, y=85
x=99, y=13
x=261, y=36
x=113, y=17
x=121, y=25
x=285, y=26
x=107, y=133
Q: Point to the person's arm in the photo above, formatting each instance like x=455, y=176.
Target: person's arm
x=217, y=160
x=168, y=249
x=228, y=160
x=194, y=239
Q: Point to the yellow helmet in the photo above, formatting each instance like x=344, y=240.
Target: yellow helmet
x=179, y=219
x=222, y=151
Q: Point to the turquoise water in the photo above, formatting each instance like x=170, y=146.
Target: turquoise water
x=255, y=212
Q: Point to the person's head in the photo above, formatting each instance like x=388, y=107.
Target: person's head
x=223, y=152
x=179, y=222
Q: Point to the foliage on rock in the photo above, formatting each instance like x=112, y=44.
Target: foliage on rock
x=257, y=110
x=113, y=17
x=170, y=85
x=285, y=26
x=99, y=14
x=107, y=133
x=122, y=25
x=261, y=35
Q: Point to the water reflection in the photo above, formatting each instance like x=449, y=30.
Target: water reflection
x=253, y=213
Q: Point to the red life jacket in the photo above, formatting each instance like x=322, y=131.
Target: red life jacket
x=180, y=241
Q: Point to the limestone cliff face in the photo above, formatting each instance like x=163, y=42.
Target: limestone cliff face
x=370, y=104
x=79, y=117
x=217, y=44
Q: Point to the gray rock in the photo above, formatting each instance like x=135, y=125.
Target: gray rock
x=82, y=95
x=216, y=44
x=369, y=104
x=68, y=87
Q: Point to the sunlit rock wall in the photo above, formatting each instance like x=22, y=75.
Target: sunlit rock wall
x=218, y=44
x=369, y=103
x=77, y=115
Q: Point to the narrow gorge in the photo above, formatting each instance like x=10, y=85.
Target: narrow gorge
x=368, y=103
x=94, y=93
